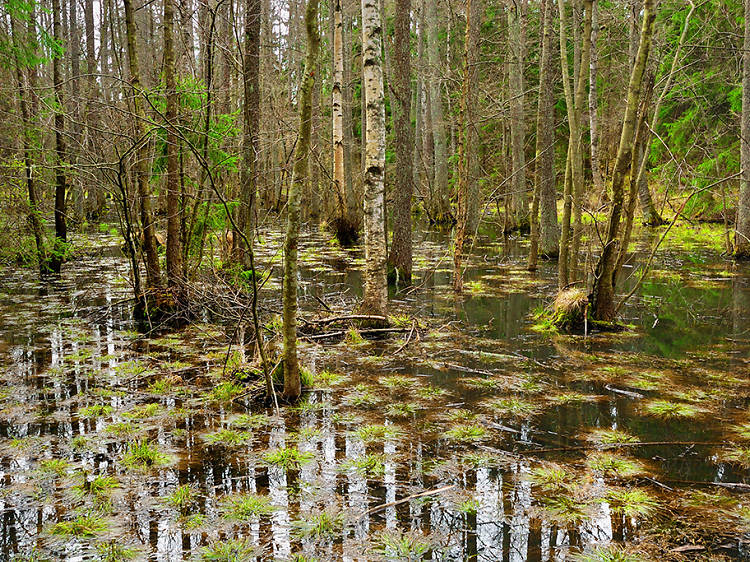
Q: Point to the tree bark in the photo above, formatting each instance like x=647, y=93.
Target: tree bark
x=516, y=42
x=375, y=290
x=596, y=169
x=292, y=385
x=174, y=249
x=742, y=233
x=400, y=257
x=603, y=292
x=440, y=200
x=153, y=272
x=544, y=229
x=61, y=234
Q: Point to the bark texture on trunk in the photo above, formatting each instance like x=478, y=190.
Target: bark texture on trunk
x=603, y=292
x=153, y=273
x=400, y=257
x=742, y=234
x=375, y=290
x=596, y=168
x=544, y=232
x=292, y=385
x=516, y=36
x=61, y=234
x=174, y=248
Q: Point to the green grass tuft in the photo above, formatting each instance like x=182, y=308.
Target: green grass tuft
x=289, y=458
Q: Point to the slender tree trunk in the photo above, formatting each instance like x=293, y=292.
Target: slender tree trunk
x=401, y=248
x=292, y=386
x=95, y=194
x=544, y=172
x=464, y=123
x=440, y=212
x=153, y=272
x=74, y=149
x=516, y=39
x=353, y=202
x=376, y=290
x=596, y=169
x=24, y=95
x=473, y=141
x=604, y=287
x=61, y=234
x=742, y=233
x=174, y=249
x=251, y=124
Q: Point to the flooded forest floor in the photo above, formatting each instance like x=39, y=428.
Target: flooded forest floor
x=469, y=437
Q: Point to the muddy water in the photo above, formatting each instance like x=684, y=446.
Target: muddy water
x=478, y=440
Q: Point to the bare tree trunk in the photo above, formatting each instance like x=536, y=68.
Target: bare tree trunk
x=473, y=141
x=61, y=234
x=376, y=290
x=174, y=250
x=353, y=202
x=464, y=124
x=95, y=199
x=604, y=283
x=153, y=272
x=742, y=233
x=24, y=95
x=75, y=91
x=440, y=212
x=292, y=385
x=544, y=173
x=596, y=169
x=251, y=125
x=516, y=40
x=401, y=248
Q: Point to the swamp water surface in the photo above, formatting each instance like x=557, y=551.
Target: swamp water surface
x=472, y=438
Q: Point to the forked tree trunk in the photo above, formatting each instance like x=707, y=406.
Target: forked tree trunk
x=604, y=281
x=400, y=257
x=292, y=385
x=153, y=272
x=375, y=290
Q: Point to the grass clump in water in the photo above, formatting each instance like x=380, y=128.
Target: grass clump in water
x=610, y=553
x=95, y=411
x=465, y=433
x=112, y=551
x=100, y=487
x=739, y=456
x=182, y=498
x=121, y=429
x=610, y=464
x=144, y=411
x=568, y=313
x=632, y=502
x=516, y=407
x=246, y=507
x=326, y=525
x=226, y=391
x=401, y=410
x=329, y=378
x=371, y=465
x=666, y=409
x=565, y=509
x=143, y=455
x=289, y=458
x=552, y=478
x=611, y=437
x=231, y=550
x=229, y=438
x=376, y=433
x=54, y=467
x=398, y=545
x=85, y=525
x=250, y=421
x=397, y=382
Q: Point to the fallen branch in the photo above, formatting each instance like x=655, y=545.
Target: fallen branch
x=406, y=499
x=637, y=444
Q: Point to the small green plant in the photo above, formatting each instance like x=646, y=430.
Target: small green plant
x=79, y=443
x=632, y=502
x=461, y=415
x=329, y=378
x=611, y=553
x=95, y=411
x=121, y=429
x=231, y=550
x=569, y=397
x=353, y=337
x=326, y=525
x=399, y=545
x=430, y=391
x=516, y=407
x=226, y=391
x=144, y=411
x=164, y=385
x=246, y=507
x=250, y=421
x=611, y=464
x=111, y=551
x=289, y=458
x=401, y=410
x=552, y=478
x=229, y=438
x=85, y=525
x=100, y=486
x=397, y=382
x=55, y=467
x=739, y=456
x=307, y=378
x=373, y=433
x=182, y=498
x=565, y=509
x=611, y=437
x=466, y=433
x=143, y=455
x=371, y=465
x=670, y=410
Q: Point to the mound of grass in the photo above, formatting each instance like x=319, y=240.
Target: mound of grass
x=552, y=478
x=326, y=525
x=377, y=433
x=370, y=465
x=84, y=526
x=226, y=391
x=95, y=411
x=230, y=550
x=182, y=498
x=610, y=464
x=246, y=507
x=143, y=455
x=666, y=409
x=465, y=433
x=514, y=407
x=632, y=502
x=611, y=437
x=289, y=458
x=230, y=438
